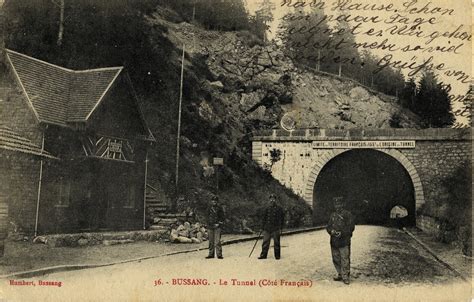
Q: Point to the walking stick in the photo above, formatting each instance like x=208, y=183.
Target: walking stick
x=258, y=237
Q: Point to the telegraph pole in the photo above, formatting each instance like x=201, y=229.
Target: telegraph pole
x=179, y=129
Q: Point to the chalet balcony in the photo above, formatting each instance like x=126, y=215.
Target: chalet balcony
x=108, y=148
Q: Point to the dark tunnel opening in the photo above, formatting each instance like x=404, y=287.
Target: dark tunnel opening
x=371, y=184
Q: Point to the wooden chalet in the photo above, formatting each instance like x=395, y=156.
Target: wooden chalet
x=72, y=148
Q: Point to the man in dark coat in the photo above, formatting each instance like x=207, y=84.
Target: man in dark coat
x=215, y=221
x=340, y=227
x=273, y=220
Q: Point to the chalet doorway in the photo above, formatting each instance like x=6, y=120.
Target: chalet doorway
x=106, y=194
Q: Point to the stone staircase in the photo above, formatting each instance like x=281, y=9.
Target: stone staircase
x=158, y=210
x=154, y=205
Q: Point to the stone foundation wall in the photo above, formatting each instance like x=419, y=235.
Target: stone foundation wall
x=428, y=225
x=435, y=161
x=88, y=239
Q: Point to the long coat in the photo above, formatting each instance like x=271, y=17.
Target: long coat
x=342, y=222
x=216, y=216
x=273, y=218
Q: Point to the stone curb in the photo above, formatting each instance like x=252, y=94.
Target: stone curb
x=432, y=253
x=71, y=267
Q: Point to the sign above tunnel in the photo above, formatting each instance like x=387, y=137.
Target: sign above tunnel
x=363, y=144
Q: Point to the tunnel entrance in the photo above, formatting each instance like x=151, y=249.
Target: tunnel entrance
x=371, y=182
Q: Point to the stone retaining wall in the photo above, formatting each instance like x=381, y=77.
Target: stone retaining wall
x=88, y=239
x=428, y=225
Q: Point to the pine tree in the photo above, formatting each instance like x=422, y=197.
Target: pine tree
x=292, y=43
x=264, y=14
x=319, y=39
x=432, y=102
x=408, y=94
x=257, y=27
x=368, y=65
x=347, y=57
x=309, y=49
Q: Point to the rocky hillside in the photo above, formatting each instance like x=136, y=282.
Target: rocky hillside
x=260, y=85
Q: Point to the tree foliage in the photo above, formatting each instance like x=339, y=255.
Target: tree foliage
x=226, y=15
x=275, y=155
x=458, y=205
x=432, y=102
x=429, y=99
x=333, y=49
x=263, y=16
x=408, y=94
x=309, y=49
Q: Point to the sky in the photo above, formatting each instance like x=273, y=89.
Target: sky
x=462, y=15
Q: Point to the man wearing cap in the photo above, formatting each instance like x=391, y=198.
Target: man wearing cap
x=273, y=220
x=340, y=227
x=215, y=222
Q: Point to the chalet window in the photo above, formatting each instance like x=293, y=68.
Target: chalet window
x=64, y=191
x=130, y=201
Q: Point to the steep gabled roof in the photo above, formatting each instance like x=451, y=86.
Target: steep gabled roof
x=12, y=141
x=59, y=95
x=87, y=89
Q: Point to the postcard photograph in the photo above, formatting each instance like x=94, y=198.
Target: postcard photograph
x=235, y=150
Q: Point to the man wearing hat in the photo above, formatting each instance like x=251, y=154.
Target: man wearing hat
x=340, y=227
x=215, y=221
x=273, y=220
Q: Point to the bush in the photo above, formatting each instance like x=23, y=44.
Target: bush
x=395, y=120
x=250, y=39
x=457, y=215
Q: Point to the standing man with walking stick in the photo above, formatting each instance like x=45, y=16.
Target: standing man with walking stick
x=273, y=220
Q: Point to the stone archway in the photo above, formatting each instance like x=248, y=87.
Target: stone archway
x=400, y=157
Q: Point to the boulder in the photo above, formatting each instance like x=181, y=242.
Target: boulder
x=359, y=94
x=182, y=239
x=195, y=240
x=174, y=235
x=250, y=100
x=182, y=231
x=232, y=83
x=217, y=85
x=264, y=60
x=40, y=239
x=205, y=111
x=82, y=241
x=258, y=114
x=200, y=236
